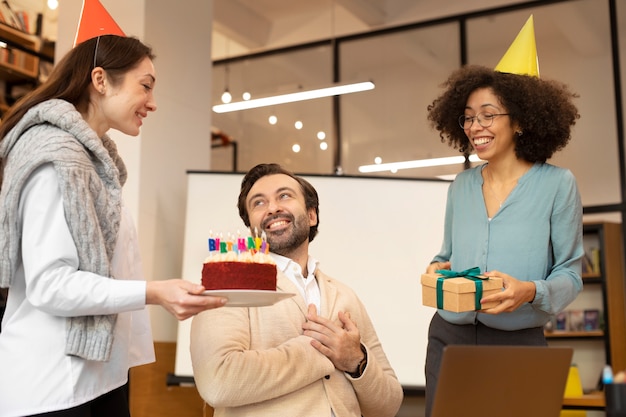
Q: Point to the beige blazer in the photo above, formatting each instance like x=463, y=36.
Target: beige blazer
x=257, y=362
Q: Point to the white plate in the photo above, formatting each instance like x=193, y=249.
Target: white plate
x=250, y=298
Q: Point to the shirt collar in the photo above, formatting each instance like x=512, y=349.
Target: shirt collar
x=282, y=262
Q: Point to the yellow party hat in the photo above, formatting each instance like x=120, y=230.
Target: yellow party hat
x=521, y=57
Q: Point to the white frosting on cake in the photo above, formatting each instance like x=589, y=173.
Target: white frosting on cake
x=246, y=257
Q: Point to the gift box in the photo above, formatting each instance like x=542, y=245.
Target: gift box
x=460, y=293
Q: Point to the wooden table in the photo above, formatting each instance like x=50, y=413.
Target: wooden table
x=591, y=401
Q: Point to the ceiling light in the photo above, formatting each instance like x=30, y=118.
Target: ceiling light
x=273, y=120
x=246, y=96
x=420, y=163
x=298, y=124
x=295, y=148
x=333, y=90
x=226, y=97
x=321, y=135
x=323, y=146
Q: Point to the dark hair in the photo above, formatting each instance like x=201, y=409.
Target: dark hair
x=543, y=110
x=262, y=170
x=70, y=78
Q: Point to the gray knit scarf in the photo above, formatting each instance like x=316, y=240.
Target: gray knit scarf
x=91, y=175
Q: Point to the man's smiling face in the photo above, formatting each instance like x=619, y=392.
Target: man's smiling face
x=276, y=206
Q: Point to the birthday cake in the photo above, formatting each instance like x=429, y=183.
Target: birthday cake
x=239, y=266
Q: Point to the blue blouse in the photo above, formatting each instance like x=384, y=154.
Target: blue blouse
x=535, y=236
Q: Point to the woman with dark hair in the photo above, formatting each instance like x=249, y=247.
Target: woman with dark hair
x=76, y=317
x=515, y=217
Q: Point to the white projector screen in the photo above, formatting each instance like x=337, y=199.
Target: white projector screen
x=375, y=234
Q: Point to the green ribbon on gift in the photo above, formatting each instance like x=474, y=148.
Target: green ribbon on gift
x=472, y=274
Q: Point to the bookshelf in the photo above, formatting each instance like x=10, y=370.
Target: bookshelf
x=16, y=63
x=19, y=62
x=603, y=289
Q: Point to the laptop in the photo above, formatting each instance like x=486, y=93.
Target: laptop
x=502, y=381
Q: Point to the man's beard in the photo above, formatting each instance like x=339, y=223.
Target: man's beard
x=285, y=241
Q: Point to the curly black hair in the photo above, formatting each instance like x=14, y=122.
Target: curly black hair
x=543, y=110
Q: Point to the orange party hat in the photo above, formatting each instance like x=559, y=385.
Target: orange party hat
x=521, y=57
x=95, y=21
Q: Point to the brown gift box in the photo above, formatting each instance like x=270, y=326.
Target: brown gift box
x=459, y=294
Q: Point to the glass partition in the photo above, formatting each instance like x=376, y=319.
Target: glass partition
x=573, y=46
x=408, y=65
x=389, y=122
x=257, y=139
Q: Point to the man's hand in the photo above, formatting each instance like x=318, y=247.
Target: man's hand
x=338, y=341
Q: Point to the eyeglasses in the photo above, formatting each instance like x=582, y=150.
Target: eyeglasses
x=484, y=119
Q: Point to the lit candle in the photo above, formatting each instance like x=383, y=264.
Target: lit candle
x=264, y=242
x=257, y=239
x=212, y=246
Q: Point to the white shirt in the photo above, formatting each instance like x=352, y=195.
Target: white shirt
x=35, y=374
x=308, y=286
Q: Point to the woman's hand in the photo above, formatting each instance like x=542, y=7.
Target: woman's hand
x=181, y=298
x=515, y=294
x=437, y=265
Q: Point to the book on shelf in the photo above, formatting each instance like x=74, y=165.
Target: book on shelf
x=591, y=262
x=592, y=319
x=561, y=321
x=10, y=17
x=595, y=260
x=22, y=17
x=576, y=321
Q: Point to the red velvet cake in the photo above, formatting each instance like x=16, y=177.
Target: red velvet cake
x=239, y=276
x=235, y=265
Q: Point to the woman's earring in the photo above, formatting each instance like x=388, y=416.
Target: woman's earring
x=519, y=132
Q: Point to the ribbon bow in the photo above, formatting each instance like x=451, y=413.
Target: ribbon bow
x=472, y=274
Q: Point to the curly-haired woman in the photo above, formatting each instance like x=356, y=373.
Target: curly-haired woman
x=516, y=216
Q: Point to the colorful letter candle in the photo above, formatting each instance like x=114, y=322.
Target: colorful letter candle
x=458, y=291
x=241, y=244
x=257, y=239
x=234, y=246
x=232, y=266
x=264, y=244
